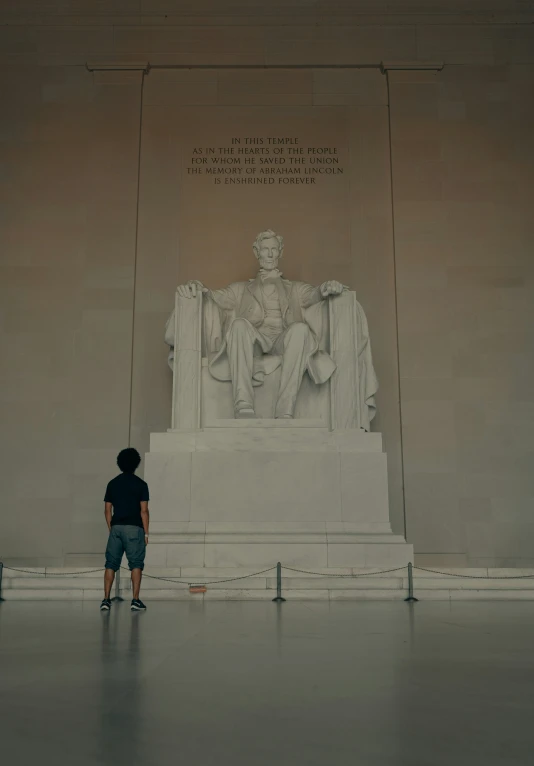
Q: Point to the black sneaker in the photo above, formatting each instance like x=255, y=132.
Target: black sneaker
x=105, y=606
x=137, y=605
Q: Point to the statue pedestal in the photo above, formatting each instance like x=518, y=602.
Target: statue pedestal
x=241, y=495
x=234, y=497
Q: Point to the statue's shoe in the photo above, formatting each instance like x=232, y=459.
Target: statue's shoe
x=246, y=412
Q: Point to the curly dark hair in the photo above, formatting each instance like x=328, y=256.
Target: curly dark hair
x=128, y=460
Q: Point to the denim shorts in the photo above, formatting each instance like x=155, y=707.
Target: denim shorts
x=127, y=539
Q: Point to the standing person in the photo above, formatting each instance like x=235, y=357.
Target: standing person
x=127, y=517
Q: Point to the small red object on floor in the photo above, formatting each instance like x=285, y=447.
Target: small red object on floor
x=197, y=589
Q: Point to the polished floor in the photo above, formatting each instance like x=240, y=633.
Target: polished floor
x=255, y=683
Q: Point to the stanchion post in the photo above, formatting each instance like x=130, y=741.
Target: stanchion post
x=411, y=597
x=279, y=598
x=117, y=596
x=1, y=571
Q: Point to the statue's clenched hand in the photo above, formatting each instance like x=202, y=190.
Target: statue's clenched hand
x=191, y=288
x=331, y=288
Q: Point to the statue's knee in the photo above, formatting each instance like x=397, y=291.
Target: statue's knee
x=299, y=330
x=239, y=325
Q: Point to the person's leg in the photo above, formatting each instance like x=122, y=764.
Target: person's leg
x=137, y=574
x=297, y=344
x=135, y=546
x=109, y=577
x=114, y=551
x=240, y=349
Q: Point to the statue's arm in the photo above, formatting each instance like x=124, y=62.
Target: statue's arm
x=225, y=298
x=309, y=295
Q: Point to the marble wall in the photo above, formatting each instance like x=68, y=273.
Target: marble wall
x=448, y=252
x=69, y=149
x=463, y=177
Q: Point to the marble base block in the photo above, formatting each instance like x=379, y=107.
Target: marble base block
x=247, y=496
x=334, y=583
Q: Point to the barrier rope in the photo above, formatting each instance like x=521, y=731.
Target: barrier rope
x=209, y=582
x=52, y=574
x=199, y=581
x=145, y=574
x=476, y=577
x=327, y=574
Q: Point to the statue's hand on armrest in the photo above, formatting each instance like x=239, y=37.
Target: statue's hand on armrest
x=191, y=288
x=331, y=288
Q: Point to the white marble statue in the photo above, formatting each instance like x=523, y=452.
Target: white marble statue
x=252, y=328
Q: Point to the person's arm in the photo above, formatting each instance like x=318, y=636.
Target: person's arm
x=108, y=513
x=145, y=517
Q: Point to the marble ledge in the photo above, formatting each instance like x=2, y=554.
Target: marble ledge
x=499, y=594
x=361, y=595
x=264, y=423
x=457, y=583
x=404, y=66
x=280, y=537
x=8, y=573
x=51, y=594
x=305, y=594
x=223, y=572
x=117, y=65
x=289, y=538
x=59, y=583
x=260, y=439
x=294, y=587
x=201, y=527
x=508, y=581
x=337, y=583
x=252, y=583
x=438, y=571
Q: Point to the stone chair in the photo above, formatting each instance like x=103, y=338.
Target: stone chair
x=346, y=401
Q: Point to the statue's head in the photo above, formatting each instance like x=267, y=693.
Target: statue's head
x=268, y=249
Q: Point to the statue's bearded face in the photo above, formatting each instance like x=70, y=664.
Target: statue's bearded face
x=268, y=254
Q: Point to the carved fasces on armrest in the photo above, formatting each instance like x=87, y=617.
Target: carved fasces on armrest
x=353, y=384
x=344, y=405
x=187, y=322
x=187, y=362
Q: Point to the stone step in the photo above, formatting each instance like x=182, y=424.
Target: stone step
x=261, y=423
x=54, y=583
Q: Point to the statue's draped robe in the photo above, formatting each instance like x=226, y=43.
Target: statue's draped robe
x=299, y=302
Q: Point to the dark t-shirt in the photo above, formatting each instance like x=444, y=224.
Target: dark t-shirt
x=126, y=492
